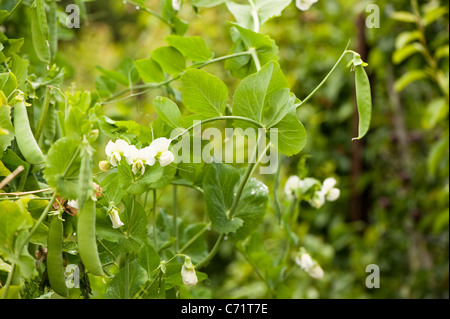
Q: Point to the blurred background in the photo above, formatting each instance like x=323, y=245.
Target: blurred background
x=394, y=208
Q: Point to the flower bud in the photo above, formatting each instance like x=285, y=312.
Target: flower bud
x=104, y=166
x=166, y=158
x=188, y=273
x=115, y=218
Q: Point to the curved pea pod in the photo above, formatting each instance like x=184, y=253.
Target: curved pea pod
x=87, y=243
x=85, y=177
x=24, y=136
x=364, y=101
x=55, y=267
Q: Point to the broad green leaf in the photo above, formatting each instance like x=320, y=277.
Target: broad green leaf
x=13, y=219
x=436, y=111
x=117, y=288
x=62, y=158
x=204, y=93
x=263, y=96
x=409, y=77
x=177, y=25
x=242, y=13
x=265, y=47
x=364, y=100
x=438, y=151
x=268, y=9
x=207, y=3
x=112, y=190
x=168, y=111
x=434, y=14
x=251, y=208
x=193, y=48
x=403, y=16
x=291, y=136
x=19, y=69
x=407, y=37
x=198, y=250
x=6, y=128
x=105, y=86
x=168, y=173
x=170, y=59
x=135, y=228
x=405, y=52
x=8, y=83
x=149, y=71
x=149, y=258
x=218, y=185
x=114, y=75
x=13, y=292
x=137, y=184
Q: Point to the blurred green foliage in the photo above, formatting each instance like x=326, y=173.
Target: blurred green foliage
x=393, y=210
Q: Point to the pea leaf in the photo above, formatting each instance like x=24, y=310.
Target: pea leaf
x=204, y=93
x=265, y=47
x=135, y=228
x=291, y=137
x=117, y=288
x=207, y=3
x=6, y=128
x=62, y=158
x=193, y=48
x=170, y=59
x=136, y=185
x=251, y=208
x=218, y=185
x=263, y=96
x=149, y=71
x=168, y=111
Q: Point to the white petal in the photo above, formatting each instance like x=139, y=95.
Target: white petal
x=131, y=154
x=115, y=218
x=189, y=276
x=333, y=194
x=304, y=4
x=292, y=185
x=121, y=146
x=176, y=5
x=328, y=184
x=160, y=145
x=147, y=154
x=304, y=261
x=166, y=158
x=318, y=200
x=316, y=272
x=109, y=149
x=72, y=203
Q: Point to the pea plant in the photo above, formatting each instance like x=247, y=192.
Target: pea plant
x=79, y=205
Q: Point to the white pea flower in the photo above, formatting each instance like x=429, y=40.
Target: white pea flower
x=188, y=273
x=316, y=272
x=318, y=200
x=292, y=186
x=304, y=4
x=305, y=261
x=330, y=192
x=176, y=5
x=72, y=203
x=139, y=158
x=160, y=147
x=115, y=151
x=115, y=218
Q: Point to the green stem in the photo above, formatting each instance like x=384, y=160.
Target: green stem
x=193, y=239
x=221, y=118
x=127, y=276
x=255, y=59
x=153, y=13
x=151, y=86
x=175, y=214
x=254, y=16
x=8, y=281
x=13, y=10
x=326, y=78
x=43, y=118
x=212, y=253
x=155, y=242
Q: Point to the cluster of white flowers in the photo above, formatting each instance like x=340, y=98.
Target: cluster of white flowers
x=304, y=4
x=138, y=158
x=309, y=265
x=327, y=192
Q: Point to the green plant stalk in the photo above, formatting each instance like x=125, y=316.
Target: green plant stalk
x=127, y=276
x=212, y=253
x=148, y=87
x=155, y=242
x=255, y=16
x=175, y=214
x=214, y=119
x=42, y=119
x=255, y=59
x=193, y=239
x=36, y=225
x=327, y=77
x=153, y=13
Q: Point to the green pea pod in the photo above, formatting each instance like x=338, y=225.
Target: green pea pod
x=24, y=136
x=364, y=100
x=84, y=180
x=55, y=266
x=87, y=244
